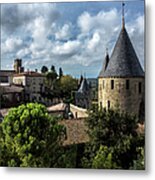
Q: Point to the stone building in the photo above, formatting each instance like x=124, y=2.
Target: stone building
x=6, y=76
x=11, y=95
x=121, y=79
x=18, y=68
x=33, y=83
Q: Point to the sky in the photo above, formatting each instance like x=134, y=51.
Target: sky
x=73, y=36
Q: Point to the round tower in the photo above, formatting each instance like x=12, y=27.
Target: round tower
x=121, y=80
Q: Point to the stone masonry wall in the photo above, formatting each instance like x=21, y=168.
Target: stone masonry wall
x=127, y=100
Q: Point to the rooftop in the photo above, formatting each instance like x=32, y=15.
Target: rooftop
x=30, y=74
x=123, y=61
x=84, y=87
x=12, y=89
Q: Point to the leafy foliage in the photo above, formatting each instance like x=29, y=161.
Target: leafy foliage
x=103, y=159
x=44, y=69
x=60, y=72
x=67, y=85
x=51, y=79
x=139, y=163
x=117, y=132
x=31, y=137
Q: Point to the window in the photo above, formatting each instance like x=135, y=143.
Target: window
x=140, y=87
x=127, y=84
x=108, y=104
x=100, y=104
x=103, y=84
x=142, y=111
x=112, y=84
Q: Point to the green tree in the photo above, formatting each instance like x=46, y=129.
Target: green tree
x=44, y=69
x=115, y=130
x=60, y=72
x=51, y=79
x=53, y=69
x=104, y=159
x=67, y=84
x=139, y=163
x=31, y=138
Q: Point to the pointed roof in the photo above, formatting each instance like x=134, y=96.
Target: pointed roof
x=123, y=61
x=84, y=87
x=105, y=64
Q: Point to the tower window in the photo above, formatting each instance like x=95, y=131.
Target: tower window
x=112, y=84
x=108, y=104
x=100, y=104
x=127, y=84
x=103, y=84
x=140, y=87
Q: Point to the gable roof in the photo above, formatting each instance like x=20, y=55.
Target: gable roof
x=123, y=61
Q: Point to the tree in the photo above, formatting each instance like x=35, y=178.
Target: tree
x=67, y=84
x=104, y=159
x=44, y=69
x=115, y=130
x=51, y=79
x=31, y=138
x=60, y=72
x=53, y=69
x=139, y=163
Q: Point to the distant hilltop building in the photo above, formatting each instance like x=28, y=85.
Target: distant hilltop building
x=121, y=79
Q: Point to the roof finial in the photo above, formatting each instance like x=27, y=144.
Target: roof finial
x=106, y=50
x=123, y=19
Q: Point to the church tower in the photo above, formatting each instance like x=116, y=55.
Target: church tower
x=121, y=79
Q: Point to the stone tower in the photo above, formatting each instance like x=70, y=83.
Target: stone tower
x=121, y=79
x=18, y=66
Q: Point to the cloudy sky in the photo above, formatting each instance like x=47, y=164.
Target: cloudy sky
x=73, y=36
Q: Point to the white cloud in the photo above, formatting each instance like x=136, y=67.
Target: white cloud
x=23, y=52
x=18, y=16
x=11, y=44
x=64, y=33
x=103, y=20
x=85, y=47
x=40, y=45
x=94, y=41
x=67, y=48
x=136, y=33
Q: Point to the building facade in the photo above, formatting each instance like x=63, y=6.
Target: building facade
x=33, y=83
x=121, y=81
x=11, y=95
x=6, y=76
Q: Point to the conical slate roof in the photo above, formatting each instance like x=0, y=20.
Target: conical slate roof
x=105, y=64
x=84, y=87
x=124, y=61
